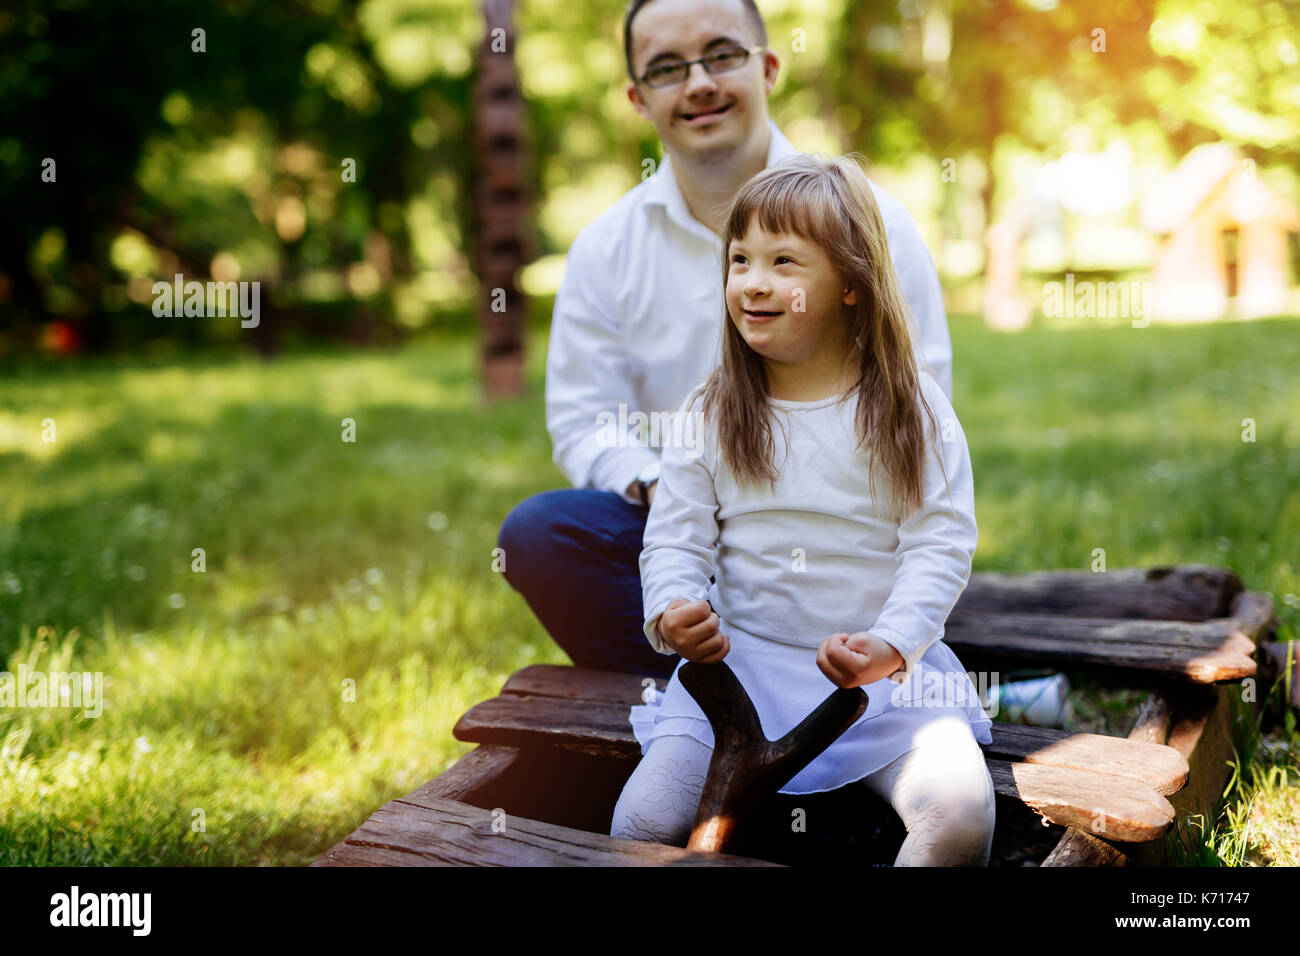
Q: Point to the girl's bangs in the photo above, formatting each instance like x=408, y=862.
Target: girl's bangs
x=782, y=205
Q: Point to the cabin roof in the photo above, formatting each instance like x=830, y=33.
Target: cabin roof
x=1193, y=182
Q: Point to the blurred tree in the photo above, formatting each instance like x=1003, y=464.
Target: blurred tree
x=1239, y=76
x=234, y=161
x=501, y=201
x=232, y=141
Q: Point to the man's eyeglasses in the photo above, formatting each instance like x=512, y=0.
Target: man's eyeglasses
x=721, y=61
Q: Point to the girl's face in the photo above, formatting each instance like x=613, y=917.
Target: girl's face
x=786, y=299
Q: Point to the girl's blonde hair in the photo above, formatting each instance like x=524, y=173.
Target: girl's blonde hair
x=827, y=201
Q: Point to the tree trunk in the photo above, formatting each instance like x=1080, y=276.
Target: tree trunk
x=499, y=203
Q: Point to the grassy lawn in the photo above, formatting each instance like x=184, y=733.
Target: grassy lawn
x=257, y=711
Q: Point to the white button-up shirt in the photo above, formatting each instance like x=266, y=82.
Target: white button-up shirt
x=638, y=323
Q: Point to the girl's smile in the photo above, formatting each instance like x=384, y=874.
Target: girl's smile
x=759, y=317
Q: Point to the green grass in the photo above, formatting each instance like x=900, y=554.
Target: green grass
x=226, y=736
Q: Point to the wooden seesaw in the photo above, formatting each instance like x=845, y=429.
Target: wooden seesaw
x=555, y=746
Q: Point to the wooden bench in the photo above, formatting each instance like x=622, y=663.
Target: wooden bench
x=1193, y=624
x=555, y=746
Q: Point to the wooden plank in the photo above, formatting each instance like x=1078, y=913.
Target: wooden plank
x=1205, y=653
x=1128, y=811
x=1201, y=730
x=1178, y=593
x=471, y=772
x=1253, y=613
x=1153, y=719
x=1211, y=636
x=1080, y=848
x=522, y=720
x=594, y=727
x=579, y=683
x=1161, y=768
x=359, y=854
x=432, y=831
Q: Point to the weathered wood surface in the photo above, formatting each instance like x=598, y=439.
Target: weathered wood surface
x=1198, y=724
x=1253, y=613
x=1128, y=811
x=421, y=830
x=521, y=720
x=1153, y=719
x=1158, y=767
x=593, y=727
x=576, y=683
x=746, y=766
x=1178, y=593
x=472, y=771
x=1081, y=848
x=1206, y=653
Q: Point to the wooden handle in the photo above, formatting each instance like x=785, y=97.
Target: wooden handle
x=746, y=766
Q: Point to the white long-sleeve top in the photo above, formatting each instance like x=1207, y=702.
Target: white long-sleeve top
x=816, y=556
x=639, y=315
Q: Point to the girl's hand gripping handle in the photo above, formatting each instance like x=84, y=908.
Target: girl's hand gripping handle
x=691, y=629
x=854, y=660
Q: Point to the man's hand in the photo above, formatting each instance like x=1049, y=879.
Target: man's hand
x=691, y=629
x=632, y=490
x=857, y=659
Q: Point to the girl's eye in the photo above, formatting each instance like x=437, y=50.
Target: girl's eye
x=786, y=258
x=736, y=257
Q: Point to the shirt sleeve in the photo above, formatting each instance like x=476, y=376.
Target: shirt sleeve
x=919, y=283
x=936, y=544
x=681, y=531
x=588, y=376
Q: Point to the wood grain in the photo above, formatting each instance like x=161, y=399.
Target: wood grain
x=1127, y=810
x=432, y=831
x=1178, y=593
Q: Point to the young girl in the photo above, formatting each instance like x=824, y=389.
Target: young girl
x=843, y=535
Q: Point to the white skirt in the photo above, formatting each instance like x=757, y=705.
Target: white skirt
x=785, y=685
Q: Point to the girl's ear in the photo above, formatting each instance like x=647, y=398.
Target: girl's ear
x=850, y=297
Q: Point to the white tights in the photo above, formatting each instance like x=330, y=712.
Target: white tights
x=941, y=790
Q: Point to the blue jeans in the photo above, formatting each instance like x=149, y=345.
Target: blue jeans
x=574, y=554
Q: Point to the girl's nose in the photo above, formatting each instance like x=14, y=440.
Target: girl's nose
x=755, y=284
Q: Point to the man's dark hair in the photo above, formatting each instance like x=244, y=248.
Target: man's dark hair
x=635, y=6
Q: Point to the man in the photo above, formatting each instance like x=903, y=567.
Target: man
x=637, y=321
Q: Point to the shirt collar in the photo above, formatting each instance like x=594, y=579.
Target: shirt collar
x=664, y=191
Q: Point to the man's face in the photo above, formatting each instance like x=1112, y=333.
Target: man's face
x=667, y=30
